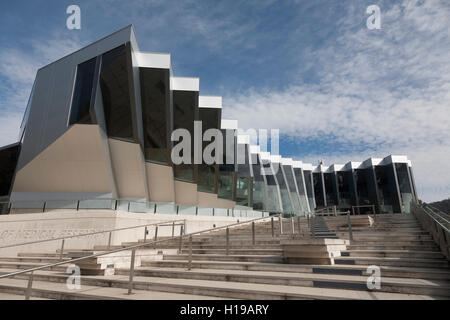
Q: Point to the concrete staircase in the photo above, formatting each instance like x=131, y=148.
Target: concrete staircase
x=410, y=263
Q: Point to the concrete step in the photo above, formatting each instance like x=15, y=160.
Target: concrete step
x=28, y=265
x=393, y=253
x=234, y=251
x=10, y=296
x=96, y=287
x=394, y=247
x=42, y=254
x=397, y=285
x=387, y=242
x=58, y=290
x=388, y=271
x=393, y=261
x=31, y=259
x=394, y=239
x=221, y=257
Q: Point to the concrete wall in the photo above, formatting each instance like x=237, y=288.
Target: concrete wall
x=75, y=162
x=59, y=223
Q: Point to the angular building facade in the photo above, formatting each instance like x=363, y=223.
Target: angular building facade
x=98, y=132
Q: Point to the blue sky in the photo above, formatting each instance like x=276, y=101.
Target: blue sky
x=336, y=90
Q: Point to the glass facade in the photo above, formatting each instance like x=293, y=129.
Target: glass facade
x=156, y=114
x=8, y=162
x=366, y=188
x=273, y=199
x=298, y=172
x=289, y=174
x=207, y=178
x=389, y=201
x=318, y=190
x=116, y=86
x=307, y=174
x=413, y=184
x=259, y=184
x=331, y=188
x=185, y=112
x=404, y=184
x=346, y=189
x=244, y=182
x=227, y=172
x=284, y=191
x=82, y=110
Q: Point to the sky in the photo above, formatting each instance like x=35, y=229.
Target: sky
x=336, y=90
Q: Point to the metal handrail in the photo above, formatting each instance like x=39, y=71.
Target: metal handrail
x=164, y=223
x=431, y=215
x=439, y=213
x=437, y=209
x=434, y=219
x=132, y=247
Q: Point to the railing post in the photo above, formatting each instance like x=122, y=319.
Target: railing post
x=349, y=222
x=156, y=237
x=313, y=231
x=62, y=250
x=273, y=227
x=173, y=228
x=292, y=225
x=190, y=253
x=253, y=233
x=130, y=280
x=29, y=287
x=335, y=211
x=109, y=240
x=145, y=234
x=184, y=228
x=280, y=220
x=298, y=225
x=180, y=243
x=228, y=241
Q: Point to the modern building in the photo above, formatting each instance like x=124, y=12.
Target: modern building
x=97, y=134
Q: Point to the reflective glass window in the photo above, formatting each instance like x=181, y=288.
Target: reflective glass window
x=298, y=172
x=80, y=111
x=155, y=97
x=284, y=191
x=318, y=189
x=406, y=192
x=387, y=189
x=330, y=188
x=309, y=188
x=8, y=162
x=185, y=112
x=273, y=200
x=289, y=173
x=115, y=85
x=244, y=178
x=344, y=181
x=210, y=118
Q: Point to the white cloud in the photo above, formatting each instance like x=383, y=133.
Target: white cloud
x=388, y=89
x=18, y=67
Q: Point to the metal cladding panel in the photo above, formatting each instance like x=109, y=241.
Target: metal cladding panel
x=50, y=107
x=32, y=144
x=153, y=60
x=210, y=102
